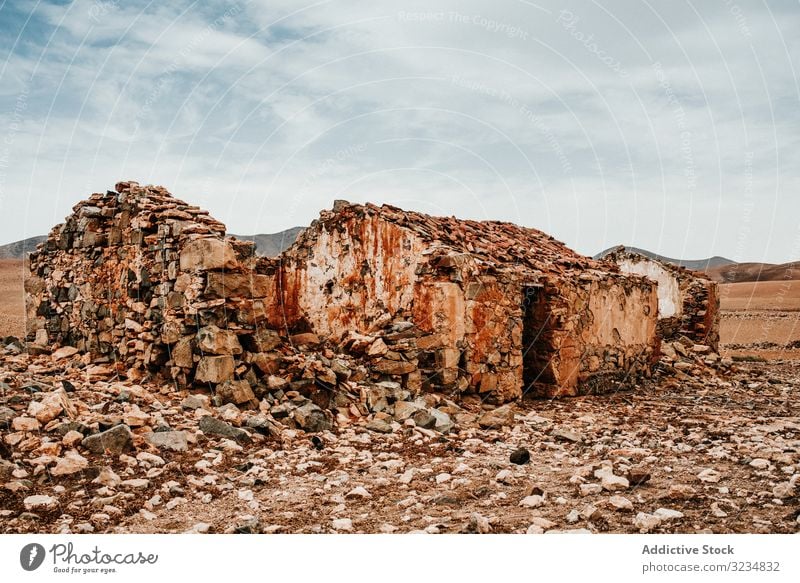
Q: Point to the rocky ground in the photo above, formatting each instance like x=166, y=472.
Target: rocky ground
x=708, y=446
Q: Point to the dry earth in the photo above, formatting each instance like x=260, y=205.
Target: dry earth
x=12, y=305
x=761, y=319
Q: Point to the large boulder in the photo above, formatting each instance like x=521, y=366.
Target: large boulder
x=214, y=340
x=238, y=285
x=311, y=418
x=215, y=369
x=115, y=440
x=497, y=418
x=207, y=254
x=236, y=392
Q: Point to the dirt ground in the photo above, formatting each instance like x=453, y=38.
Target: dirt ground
x=761, y=319
x=12, y=304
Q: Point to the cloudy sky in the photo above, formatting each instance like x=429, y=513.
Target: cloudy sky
x=670, y=126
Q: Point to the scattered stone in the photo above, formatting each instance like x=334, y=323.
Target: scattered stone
x=172, y=440
x=235, y=392
x=71, y=463
x=621, y=503
x=709, y=475
x=25, y=424
x=532, y=501
x=479, y=523
x=638, y=476
x=114, y=441
x=311, y=418
x=358, y=492
x=342, y=524
x=40, y=502
x=666, y=514
x=590, y=489
x=520, y=456
x=213, y=426
x=498, y=418
x=379, y=426
x=681, y=492
x=567, y=435
x=64, y=352
x=646, y=522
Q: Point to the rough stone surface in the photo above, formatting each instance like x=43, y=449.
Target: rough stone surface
x=114, y=441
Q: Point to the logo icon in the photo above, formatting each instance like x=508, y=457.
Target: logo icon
x=31, y=556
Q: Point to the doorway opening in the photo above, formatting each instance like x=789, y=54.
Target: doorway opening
x=536, y=339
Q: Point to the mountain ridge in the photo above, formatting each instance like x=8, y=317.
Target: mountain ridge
x=267, y=244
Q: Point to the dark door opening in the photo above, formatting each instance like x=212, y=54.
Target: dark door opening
x=536, y=349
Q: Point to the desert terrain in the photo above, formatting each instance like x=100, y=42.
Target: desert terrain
x=12, y=300
x=710, y=444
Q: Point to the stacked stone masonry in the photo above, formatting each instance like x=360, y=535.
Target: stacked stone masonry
x=151, y=286
x=688, y=300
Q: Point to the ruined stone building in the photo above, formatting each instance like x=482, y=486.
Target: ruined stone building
x=688, y=301
x=140, y=279
x=152, y=285
x=498, y=309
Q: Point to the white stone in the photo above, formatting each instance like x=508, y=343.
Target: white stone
x=504, y=476
x=442, y=478
x=666, y=514
x=646, y=522
x=342, y=524
x=590, y=489
x=709, y=475
x=532, y=501
x=358, y=492
x=40, y=502
x=71, y=463
x=620, y=503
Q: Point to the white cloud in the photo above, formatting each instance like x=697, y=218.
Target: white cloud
x=264, y=112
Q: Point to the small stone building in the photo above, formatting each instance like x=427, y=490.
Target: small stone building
x=497, y=309
x=688, y=301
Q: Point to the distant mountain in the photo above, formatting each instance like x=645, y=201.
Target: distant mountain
x=269, y=245
x=19, y=249
x=749, y=272
x=693, y=264
x=272, y=245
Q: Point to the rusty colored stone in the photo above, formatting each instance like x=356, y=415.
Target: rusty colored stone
x=214, y=369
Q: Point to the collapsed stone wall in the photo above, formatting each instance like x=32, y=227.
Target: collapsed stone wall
x=599, y=334
x=150, y=284
x=688, y=300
